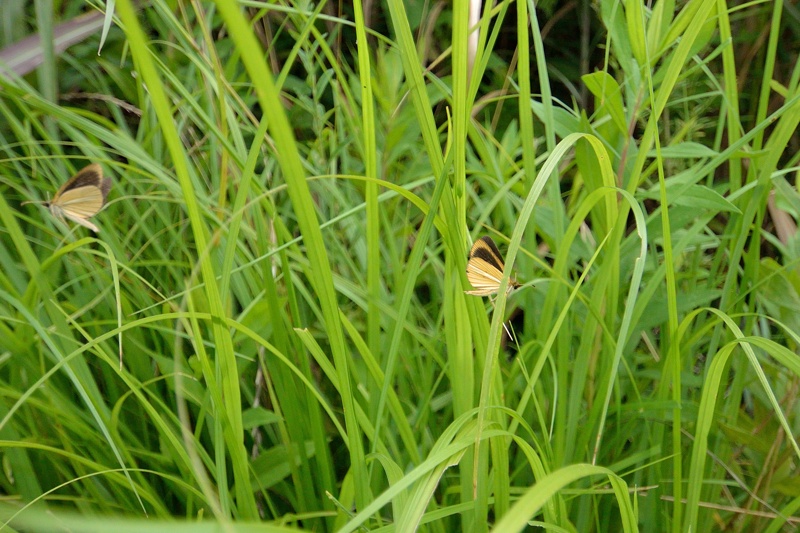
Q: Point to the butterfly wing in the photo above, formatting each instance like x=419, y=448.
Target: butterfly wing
x=82, y=221
x=485, y=268
x=82, y=196
x=89, y=175
x=83, y=201
x=483, y=278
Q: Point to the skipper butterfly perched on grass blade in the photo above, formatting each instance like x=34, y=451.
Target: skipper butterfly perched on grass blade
x=485, y=268
x=82, y=196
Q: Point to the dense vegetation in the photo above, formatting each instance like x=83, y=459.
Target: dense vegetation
x=270, y=329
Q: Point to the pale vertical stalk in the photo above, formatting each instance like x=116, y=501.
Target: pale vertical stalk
x=474, y=34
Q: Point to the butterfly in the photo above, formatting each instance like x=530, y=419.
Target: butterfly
x=81, y=197
x=485, y=268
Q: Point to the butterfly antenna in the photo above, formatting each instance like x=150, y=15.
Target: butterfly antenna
x=512, y=334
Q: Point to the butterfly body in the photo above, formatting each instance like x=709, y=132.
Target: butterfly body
x=485, y=269
x=81, y=197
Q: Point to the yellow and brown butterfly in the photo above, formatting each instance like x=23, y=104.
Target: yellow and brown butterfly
x=81, y=197
x=485, y=268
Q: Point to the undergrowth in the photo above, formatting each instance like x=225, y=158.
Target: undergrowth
x=280, y=269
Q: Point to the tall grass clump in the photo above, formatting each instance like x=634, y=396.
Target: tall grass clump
x=270, y=330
